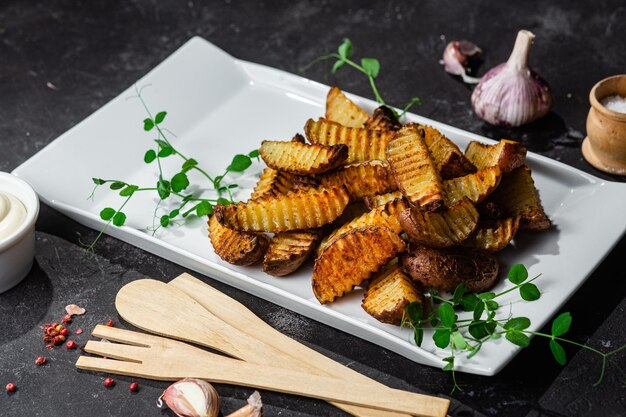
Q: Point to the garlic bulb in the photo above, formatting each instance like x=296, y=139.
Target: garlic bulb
x=191, y=398
x=456, y=59
x=511, y=94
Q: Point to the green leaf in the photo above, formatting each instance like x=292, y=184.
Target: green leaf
x=529, y=292
x=240, y=163
x=371, y=66
x=117, y=185
x=149, y=156
x=254, y=153
x=189, y=164
x=491, y=305
x=518, y=274
x=98, y=181
x=204, y=208
x=231, y=186
x=119, y=219
x=446, y=315
x=480, y=329
x=345, y=49
x=448, y=367
x=517, y=323
x=478, y=310
x=148, y=124
x=458, y=340
x=179, y=182
x=561, y=324
x=338, y=64
x=129, y=190
x=415, y=312
x=223, y=201
x=107, y=213
x=487, y=296
x=165, y=152
x=160, y=116
x=459, y=291
x=165, y=221
x=173, y=213
x=163, y=188
x=517, y=338
x=441, y=337
x=418, y=336
x=469, y=302
x=558, y=352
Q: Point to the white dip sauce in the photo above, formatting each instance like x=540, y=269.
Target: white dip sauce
x=12, y=214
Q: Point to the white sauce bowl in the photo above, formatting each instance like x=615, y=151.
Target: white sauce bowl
x=17, y=250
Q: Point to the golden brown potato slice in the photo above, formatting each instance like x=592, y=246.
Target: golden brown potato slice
x=517, y=196
x=506, y=155
x=272, y=183
x=373, y=201
x=448, y=158
x=493, y=236
x=386, y=216
x=363, y=144
x=439, y=230
x=342, y=110
x=237, y=248
x=295, y=210
x=383, y=119
x=301, y=158
x=353, y=258
x=414, y=170
x=389, y=293
x=288, y=250
x=361, y=179
x=476, y=186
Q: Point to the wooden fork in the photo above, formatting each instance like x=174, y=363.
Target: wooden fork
x=155, y=357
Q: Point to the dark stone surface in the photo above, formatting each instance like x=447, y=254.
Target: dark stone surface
x=63, y=59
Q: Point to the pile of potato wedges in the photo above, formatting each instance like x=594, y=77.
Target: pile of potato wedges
x=397, y=209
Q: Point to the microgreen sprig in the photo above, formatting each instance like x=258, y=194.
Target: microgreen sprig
x=174, y=187
x=368, y=66
x=469, y=335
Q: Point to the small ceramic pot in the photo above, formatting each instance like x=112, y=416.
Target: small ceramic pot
x=17, y=250
x=605, y=144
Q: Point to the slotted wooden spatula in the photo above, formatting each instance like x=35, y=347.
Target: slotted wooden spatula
x=156, y=357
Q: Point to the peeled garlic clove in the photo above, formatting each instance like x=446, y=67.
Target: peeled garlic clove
x=254, y=408
x=74, y=310
x=456, y=59
x=191, y=397
x=511, y=94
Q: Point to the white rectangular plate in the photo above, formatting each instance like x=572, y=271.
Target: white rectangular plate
x=219, y=106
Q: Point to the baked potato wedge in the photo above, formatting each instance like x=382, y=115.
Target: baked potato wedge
x=383, y=119
x=449, y=159
x=517, y=197
x=288, y=250
x=340, y=109
x=476, y=186
x=441, y=229
x=361, y=179
x=493, y=236
x=445, y=269
x=353, y=258
x=506, y=155
x=389, y=293
x=414, y=170
x=295, y=210
x=237, y=248
x=373, y=201
x=272, y=183
x=363, y=144
x=302, y=158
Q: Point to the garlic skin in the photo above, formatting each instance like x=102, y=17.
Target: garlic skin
x=254, y=408
x=511, y=94
x=456, y=58
x=191, y=397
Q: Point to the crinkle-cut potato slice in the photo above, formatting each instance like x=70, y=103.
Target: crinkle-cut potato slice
x=387, y=215
x=288, y=250
x=361, y=179
x=363, y=144
x=389, y=293
x=272, y=183
x=506, y=155
x=383, y=119
x=295, y=210
x=353, y=258
x=342, y=110
x=476, y=186
x=448, y=158
x=373, y=201
x=493, y=236
x=302, y=158
x=442, y=229
x=237, y=248
x=517, y=196
x=414, y=170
